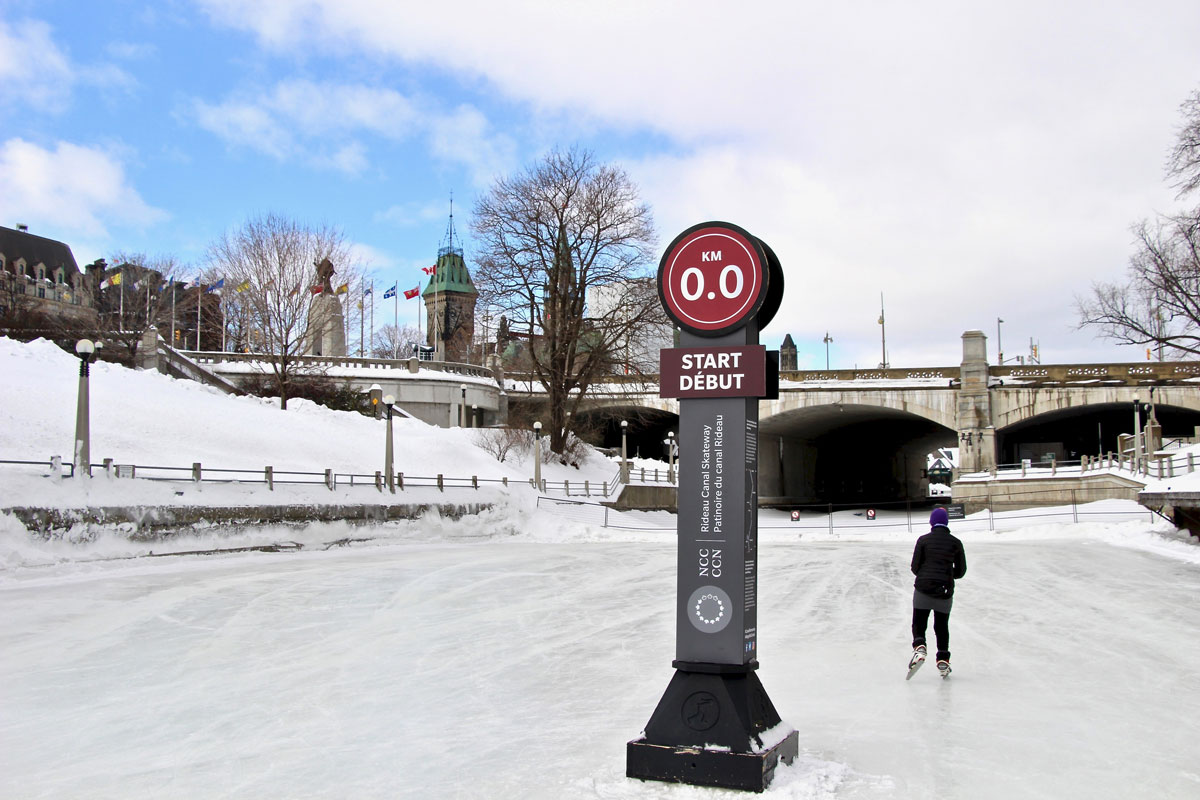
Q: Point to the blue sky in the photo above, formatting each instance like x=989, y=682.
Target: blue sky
x=968, y=164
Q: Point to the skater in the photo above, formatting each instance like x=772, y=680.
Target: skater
x=938, y=560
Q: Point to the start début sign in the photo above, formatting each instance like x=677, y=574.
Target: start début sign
x=691, y=372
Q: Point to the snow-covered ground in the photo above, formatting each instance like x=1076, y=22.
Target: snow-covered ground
x=514, y=653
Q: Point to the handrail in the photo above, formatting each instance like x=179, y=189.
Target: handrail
x=450, y=367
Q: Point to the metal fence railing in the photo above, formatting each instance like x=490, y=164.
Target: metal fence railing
x=1153, y=466
x=858, y=518
x=267, y=476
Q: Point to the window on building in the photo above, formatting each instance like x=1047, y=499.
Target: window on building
x=41, y=291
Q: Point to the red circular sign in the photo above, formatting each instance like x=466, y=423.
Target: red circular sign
x=712, y=278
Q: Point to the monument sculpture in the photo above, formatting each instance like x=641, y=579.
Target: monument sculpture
x=325, y=334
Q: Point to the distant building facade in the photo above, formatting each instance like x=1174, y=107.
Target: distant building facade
x=39, y=277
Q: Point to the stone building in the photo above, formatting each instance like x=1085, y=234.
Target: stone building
x=39, y=278
x=450, y=303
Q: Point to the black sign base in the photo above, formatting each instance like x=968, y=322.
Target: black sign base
x=707, y=731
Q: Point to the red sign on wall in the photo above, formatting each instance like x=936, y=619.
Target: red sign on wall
x=713, y=371
x=712, y=279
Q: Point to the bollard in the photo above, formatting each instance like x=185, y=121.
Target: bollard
x=587, y=490
x=379, y=480
x=643, y=474
x=108, y=468
x=400, y=480
x=441, y=486
x=1191, y=463
x=56, y=467
x=270, y=474
x=330, y=481
x=567, y=488
x=474, y=481
x=504, y=480
x=196, y=472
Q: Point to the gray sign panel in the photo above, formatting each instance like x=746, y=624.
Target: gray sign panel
x=717, y=602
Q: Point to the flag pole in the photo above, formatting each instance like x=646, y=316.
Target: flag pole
x=419, y=334
x=396, y=303
x=121, y=324
x=223, y=325
x=199, y=294
x=362, y=313
x=372, y=311
x=171, y=286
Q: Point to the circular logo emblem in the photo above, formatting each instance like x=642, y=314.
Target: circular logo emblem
x=709, y=609
x=712, y=278
x=700, y=711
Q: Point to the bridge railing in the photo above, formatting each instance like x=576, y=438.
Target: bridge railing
x=349, y=362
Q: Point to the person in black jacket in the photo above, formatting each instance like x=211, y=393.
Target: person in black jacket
x=938, y=561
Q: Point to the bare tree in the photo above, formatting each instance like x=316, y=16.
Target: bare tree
x=1159, y=303
x=1183, y=166
x=547, y=236
x=393, y=342
x=272, y=259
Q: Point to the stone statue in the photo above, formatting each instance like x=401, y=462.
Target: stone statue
x=326, y=333
x=325, y=274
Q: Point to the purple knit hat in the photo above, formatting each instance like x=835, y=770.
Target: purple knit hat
x=939, y=517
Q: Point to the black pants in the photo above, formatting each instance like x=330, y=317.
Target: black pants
x=941, y=630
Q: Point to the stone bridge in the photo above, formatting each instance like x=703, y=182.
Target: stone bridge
x=847, y=435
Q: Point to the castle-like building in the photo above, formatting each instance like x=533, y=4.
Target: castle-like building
x=450, y=303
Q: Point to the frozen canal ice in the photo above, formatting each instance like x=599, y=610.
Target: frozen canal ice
x=506, y=669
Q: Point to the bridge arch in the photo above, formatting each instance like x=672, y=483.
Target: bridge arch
x=846, y=453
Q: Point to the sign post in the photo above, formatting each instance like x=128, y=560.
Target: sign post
x=715, y=724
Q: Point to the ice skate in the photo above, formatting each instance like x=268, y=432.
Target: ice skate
x=918, y=658
x=944, y=668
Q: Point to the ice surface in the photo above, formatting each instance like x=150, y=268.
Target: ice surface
x=436, y=663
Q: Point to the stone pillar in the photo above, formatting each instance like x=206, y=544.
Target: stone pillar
x=147, y=352
x=976, y=436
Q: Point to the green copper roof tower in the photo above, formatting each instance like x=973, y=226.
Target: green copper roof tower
x=450, y=301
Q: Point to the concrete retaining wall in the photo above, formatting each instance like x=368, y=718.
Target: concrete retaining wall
x=1003, y=494
x=151, y=521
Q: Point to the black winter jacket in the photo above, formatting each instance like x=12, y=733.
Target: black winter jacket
x=938, y=560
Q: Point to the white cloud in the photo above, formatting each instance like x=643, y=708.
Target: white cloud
x=317, y=122
x=36, y=72
x=33, y=70
x=70, y=188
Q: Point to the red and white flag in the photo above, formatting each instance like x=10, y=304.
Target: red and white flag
x=409, y=294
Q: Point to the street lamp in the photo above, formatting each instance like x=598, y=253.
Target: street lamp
x=376, y=392
x=999, y=347
x=388, y=400
x=827, y=340
x=624, y=452
x=462, y=406
x=86, y=350
x=537, y=456
x=670, y=456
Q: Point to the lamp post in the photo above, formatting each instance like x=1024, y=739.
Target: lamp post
x=462, y=406
x=387, y=450
x=827, y=340
x=86, y=350
x=624, y=452
x=537, y=456
x=670, y=456
x=376, y=392
x=999, y=346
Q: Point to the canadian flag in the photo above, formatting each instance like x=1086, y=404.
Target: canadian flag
x=429, y=270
